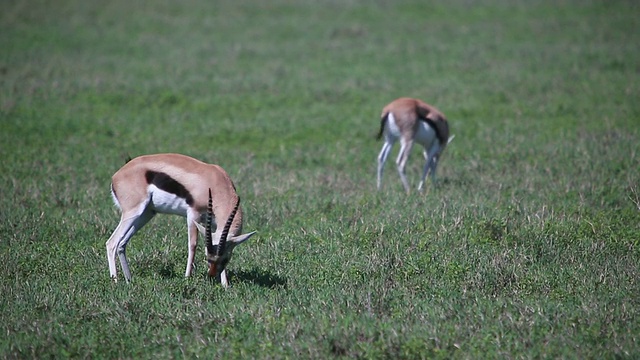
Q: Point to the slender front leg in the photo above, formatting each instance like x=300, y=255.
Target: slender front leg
x=434, y=152
x=430, y=165
x=427, y=165
x=434, y=166
x=223, y=279
x=192, y=229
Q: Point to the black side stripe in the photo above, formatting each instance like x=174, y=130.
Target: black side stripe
x=166, y=183
x=435, y=128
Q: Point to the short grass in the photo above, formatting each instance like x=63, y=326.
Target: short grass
x=528, y=248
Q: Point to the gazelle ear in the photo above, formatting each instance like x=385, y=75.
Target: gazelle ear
x=237, y=240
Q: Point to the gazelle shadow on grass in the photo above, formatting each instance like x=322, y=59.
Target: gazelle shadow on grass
x=260, y=277
x=255, y=276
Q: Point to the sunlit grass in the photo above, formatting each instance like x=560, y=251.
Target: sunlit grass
x=527, y=248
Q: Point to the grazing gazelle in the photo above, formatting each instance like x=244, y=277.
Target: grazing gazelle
x=177, y=184
x=412, y=120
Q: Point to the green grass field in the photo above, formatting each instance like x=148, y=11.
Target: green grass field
x=528, y=248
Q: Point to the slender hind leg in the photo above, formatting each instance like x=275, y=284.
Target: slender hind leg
x=128, y=226
x=403, y=156
x=382, y=158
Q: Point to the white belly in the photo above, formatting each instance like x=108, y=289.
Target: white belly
x=167, y=203
x=425, y=136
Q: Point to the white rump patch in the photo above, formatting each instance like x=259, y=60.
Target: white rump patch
x=392, y=128
x=115, y=199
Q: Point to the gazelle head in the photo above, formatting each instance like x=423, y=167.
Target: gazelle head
x=219, y=255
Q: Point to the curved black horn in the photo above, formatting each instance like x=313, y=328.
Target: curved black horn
x=209, y=220
x=225, y=231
